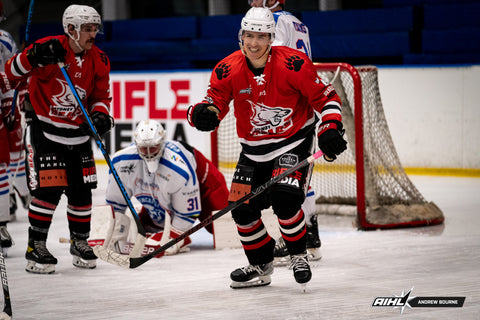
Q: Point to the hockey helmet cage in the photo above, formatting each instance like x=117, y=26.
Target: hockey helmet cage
x=149, y=139
x=77, y=15
x=259, y=20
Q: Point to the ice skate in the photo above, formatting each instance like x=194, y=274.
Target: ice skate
x=252, y=276
x=39, y=259
x=313, y=240
x=280, y=253
x=83, y=256
x=301, y=269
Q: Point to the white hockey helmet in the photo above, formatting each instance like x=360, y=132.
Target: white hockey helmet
x=149, y=138
x=76, y=15
x=259, y=20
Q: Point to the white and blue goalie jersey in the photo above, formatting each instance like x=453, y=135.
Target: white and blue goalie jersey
x=173, y=188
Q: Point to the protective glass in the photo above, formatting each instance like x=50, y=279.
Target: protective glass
x=91, y=27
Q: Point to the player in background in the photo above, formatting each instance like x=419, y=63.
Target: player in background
x=59, y=153
x=276, y=92
x=291, y=32
x=170, y=179
x=13, y=121
x=12, y=167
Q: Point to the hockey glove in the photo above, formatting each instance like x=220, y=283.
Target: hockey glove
x=330, y=139
x=101, y=121
x=49, y=52
x=204, y=116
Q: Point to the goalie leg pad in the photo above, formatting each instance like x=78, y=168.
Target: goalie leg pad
x=108, y=227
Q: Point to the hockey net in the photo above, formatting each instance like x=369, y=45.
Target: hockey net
x=368, y=179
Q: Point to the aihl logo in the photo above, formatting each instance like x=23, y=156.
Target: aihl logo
x=395, y=302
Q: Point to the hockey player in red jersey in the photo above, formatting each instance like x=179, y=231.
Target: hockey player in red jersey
x=59, y=155
x=291, y=32
x=276, y=95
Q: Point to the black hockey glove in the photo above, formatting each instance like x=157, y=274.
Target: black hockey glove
x=101, y=121
x=49, y=52
x=330, y=139
x=204, y=116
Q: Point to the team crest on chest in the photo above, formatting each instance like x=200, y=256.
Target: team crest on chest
x=64, y=104
x=267, y=120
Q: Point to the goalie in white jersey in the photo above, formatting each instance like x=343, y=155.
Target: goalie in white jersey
x=174, y=183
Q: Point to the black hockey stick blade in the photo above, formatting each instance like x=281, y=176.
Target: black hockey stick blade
x=7, y=306
x=138, y=261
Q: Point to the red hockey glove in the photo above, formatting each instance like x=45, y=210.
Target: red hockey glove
x=330, y=139
x=203, y=116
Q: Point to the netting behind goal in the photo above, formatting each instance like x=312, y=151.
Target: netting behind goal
x=368, y=179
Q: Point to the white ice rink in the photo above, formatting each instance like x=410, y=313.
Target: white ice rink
x=439, y=261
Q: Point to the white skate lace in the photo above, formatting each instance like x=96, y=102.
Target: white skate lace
x=250, y=268
x=299, y=263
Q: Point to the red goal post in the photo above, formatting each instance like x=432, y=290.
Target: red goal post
x=368, y=179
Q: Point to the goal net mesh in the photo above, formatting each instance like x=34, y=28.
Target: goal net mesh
x=368, y=179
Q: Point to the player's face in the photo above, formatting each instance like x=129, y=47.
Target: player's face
x=88, y=32
x=256, y=45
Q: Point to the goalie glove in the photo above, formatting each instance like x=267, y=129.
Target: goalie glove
x=203, y=116
x=330, y=139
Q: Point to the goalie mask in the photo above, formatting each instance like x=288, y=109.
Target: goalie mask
x=150, y=140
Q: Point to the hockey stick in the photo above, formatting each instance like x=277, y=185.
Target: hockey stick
x=25, y=41
x=7, y=306
x=130, y=262
x=141, y=235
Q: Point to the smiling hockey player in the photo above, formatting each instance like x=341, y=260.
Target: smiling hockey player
x=276, y=92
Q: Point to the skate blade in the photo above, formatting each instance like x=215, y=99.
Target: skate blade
x=314, y=254
x=39, y=268
x=84, y=264
x=303, y=287
x=257, y=282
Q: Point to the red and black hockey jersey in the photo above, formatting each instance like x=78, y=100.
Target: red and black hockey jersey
x=53, y=102
x=275, y=110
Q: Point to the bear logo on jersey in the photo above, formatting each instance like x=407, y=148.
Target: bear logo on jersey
x=222, y=71
x=294, y=63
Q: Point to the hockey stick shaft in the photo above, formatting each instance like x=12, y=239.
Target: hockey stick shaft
x=7, y=306
x=25, y=41
x=135, y=262
x=100, y=145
